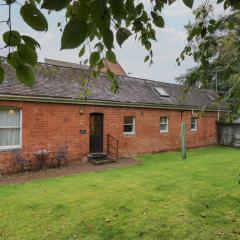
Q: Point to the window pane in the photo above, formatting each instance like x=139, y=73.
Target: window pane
x=128, y=128
x=9, y=137
x=163, y=120
x=193, y=120
x=164, y=124
x=128, y=120
x=163, y=127
x=9, y=117
x=162, y=92
x=96, y=125
x=193, y=123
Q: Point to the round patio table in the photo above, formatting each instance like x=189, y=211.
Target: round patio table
x=42, y=157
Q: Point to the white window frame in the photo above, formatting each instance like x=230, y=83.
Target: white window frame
x=13, y=127
x=132, y=124
x=162, y=92
x=195, y=124
x=167, y=124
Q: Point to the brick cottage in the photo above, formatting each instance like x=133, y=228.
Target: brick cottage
x=144, y=116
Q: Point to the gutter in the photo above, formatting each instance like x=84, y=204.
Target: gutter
x=103, y=103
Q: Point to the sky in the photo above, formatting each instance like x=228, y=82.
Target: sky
x=171, y=41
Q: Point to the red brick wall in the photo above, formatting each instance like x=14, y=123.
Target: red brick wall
x=47, y=125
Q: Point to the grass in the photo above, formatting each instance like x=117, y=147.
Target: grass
x=163, y=198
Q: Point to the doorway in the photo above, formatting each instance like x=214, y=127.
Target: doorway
x=96, y=132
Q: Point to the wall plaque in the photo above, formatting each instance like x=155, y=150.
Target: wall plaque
x=83, y=131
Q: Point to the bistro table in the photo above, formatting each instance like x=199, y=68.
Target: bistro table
x=42, y=155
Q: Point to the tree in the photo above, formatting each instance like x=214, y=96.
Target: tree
x=214, y=45
x=87, y=21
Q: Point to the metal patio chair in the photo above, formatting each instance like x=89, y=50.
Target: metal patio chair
x=20, y=160
x=61, y=154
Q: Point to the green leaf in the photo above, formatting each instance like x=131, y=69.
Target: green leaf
x=117, y=8
x=30, y=42
x=129, y=5
x=212, y=21
x=12, y=38
x=82, y=10
x=157, y=20
x=111, y=56
x=122, y=35
x=108, y=38
x=27, y=54
x=56, y=5
x=74, y=34
x=112, y=77
x=99, y=47
x=2, y=73
x=188, y=3
x=146, y=58
x=26, y=75
x=139, y=8
x=148, y=45
x=10, y=1
x=236, y=5
x=94, y=58
x=33, y=17
x=87, y=92
x=97, y=10
x=14, y=59
x=137, y=26
x=82, y=51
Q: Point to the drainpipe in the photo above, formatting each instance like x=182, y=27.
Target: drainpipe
x=218, y=115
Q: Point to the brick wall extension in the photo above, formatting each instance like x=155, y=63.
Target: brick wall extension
x=46, y=125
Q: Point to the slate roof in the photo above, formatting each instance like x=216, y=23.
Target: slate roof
x=64, y=82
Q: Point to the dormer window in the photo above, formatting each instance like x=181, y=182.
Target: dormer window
x=162, y=92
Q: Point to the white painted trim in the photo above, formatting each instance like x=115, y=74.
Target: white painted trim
x=3, y=148
x=167, y=124
x=10, y=127
x=21, y=125
x=196, y=124
x=133, y=124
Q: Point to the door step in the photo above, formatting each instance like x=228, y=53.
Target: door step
x=99, y=158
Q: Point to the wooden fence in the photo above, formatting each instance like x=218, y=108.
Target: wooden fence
x=229, y=134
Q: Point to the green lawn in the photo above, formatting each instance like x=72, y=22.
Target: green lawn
x=163, y=198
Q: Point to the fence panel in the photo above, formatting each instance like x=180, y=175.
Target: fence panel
x=229, y=134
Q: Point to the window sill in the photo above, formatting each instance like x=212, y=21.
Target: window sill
x=194, y=131
x=129, y=134
x=164, y=132
x=8, y=149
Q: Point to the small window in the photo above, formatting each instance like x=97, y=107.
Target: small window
x=162, y=92
x=164, y=124
x=129, y=125
x=10, y=128
x=211, y=97
x=194, y=124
